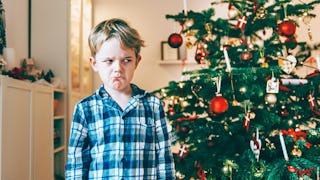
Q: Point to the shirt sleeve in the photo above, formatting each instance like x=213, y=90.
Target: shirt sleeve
x=165, y=159
x=78, y=157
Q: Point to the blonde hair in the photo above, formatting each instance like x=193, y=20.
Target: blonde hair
x=115, y=28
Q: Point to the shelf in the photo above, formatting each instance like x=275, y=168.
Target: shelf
x=58, y=149
x=59, y=132
x=59, y=90
x=58, y=117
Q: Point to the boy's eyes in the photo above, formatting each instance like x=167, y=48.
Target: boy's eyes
x=123, y=61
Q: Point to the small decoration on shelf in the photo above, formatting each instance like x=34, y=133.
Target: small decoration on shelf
x=3, y=64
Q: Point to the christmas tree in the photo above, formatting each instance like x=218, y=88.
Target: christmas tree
x=246, y=113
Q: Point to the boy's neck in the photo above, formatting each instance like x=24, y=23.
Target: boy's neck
x=121, y=97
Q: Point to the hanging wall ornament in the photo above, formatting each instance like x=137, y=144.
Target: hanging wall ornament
x=175, y=40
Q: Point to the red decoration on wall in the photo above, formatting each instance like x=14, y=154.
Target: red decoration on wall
x=175, y=40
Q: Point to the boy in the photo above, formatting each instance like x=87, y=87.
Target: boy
x=120, y=131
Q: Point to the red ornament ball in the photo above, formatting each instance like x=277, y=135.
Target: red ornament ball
x=218, y=104
x=287, y=28
x=175, y=40
x=246, y=56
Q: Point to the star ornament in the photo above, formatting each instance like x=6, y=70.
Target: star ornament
x=242, y=22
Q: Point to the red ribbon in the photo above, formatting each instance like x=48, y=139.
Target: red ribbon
x=300, y=172
x=296, y=135
x=187, y=118
x=200, y=173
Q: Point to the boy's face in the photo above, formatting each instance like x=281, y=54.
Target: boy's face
x=115, y=64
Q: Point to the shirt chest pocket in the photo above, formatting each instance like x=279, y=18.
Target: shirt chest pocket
x=144, y=130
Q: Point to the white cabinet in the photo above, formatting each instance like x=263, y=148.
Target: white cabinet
x=26, y=146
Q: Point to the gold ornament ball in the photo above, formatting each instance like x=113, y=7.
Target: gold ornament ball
x=233, y=12
x=270, y=99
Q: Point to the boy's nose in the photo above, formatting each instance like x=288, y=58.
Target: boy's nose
x=116, y=65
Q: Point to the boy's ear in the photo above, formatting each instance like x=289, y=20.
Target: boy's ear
x=93, y=63
x=138, y=60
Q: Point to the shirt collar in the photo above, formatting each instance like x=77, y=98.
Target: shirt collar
x=136, y=92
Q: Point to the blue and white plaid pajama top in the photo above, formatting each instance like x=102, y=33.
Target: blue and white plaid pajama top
x=107, y=142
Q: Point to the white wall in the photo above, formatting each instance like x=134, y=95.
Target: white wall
x=148, y=17
x=16, y=12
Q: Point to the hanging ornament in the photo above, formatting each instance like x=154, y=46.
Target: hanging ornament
x=284, y=112
x=232, y=11
x=255, y=144
x=218, y=104
x=270, y=99
x=287, y=64
x=287, y=28
x=190, y=39
x=247, y=116
x=313, y=104
x=265, y=34
x=246, y=121
x=296, y=151
x=261, y=13
x=208, y=27
x=272, y=85
x=242, y=22
x=200, y=53
x=246, y=55
x=183, y=151
x=175, y=40
x=189, y=22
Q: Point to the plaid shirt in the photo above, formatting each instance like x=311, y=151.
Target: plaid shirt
x=107, y=142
